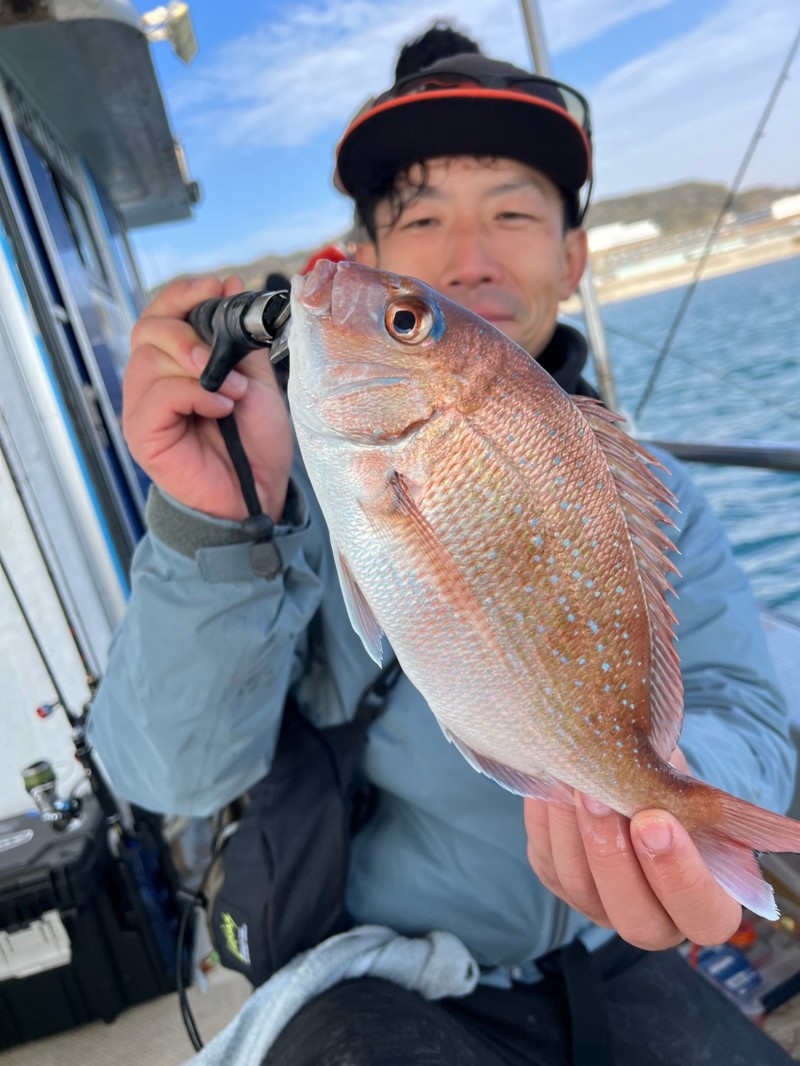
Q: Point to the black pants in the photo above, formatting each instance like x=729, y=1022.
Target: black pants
x=646, y=1009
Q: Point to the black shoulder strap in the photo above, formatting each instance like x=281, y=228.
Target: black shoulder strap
x=373, y=700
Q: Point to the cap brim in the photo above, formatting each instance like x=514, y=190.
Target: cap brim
x=484, y=122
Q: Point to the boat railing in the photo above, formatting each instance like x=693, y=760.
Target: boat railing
x=766, y=455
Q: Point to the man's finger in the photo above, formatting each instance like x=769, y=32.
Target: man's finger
x=177, y=299
x=677, y=875
x=632, y=907
x=571, y=864
x=232, y=285
x=158, y=421
x=172, y=336
x=540, y=851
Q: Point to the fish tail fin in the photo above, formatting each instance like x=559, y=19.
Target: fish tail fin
x=727, y=847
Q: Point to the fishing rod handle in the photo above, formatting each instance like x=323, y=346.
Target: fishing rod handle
x=234, y=326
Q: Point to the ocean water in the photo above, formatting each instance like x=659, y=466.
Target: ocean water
x=733, y=374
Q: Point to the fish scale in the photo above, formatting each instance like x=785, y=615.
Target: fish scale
x=508, y=540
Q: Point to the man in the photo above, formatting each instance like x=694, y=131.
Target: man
x=468, y=176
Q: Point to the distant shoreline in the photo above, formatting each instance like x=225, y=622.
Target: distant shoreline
x=613, y=290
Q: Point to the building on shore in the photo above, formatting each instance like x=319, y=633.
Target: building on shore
x=619, y=234
x=786, y=207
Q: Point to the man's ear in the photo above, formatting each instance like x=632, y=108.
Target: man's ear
x=366, y=253
x=576, y=254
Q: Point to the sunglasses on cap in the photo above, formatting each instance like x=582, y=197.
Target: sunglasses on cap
x=536, y=86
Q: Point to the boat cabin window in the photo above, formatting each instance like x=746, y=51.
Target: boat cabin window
x=81, y=233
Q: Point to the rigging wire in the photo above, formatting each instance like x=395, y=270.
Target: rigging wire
x=665, y=349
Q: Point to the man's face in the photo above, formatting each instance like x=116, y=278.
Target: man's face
x=489, y=235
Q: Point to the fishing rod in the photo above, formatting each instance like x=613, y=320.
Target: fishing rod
x=792, y=413
x=39, y=778
x=654, y=373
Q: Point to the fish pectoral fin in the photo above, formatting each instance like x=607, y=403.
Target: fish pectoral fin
x=399, y=519
x=361, y=617
x=538, y=786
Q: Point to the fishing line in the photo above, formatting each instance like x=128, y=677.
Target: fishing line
x=48, y=553
x=47, y=663
x=656, y=370
x=717, y=375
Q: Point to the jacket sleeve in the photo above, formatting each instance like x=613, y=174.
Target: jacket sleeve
x=736, y=731
x=187, y=715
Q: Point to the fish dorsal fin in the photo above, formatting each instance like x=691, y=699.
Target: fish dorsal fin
x=361, y=617
x=640, y=493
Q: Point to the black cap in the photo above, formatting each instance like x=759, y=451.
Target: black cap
x=540, y=122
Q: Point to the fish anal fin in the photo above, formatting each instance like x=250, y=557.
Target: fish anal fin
x=362, y=619
x=539, y=786
x=734, y=830
x=734, y=866
x=641, y=492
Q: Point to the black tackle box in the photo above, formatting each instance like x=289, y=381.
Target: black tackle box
x=88, y=922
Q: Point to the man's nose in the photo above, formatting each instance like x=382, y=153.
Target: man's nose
x=470, y=260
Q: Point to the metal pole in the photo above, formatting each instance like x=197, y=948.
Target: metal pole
x=591, y=309
x=536, y=37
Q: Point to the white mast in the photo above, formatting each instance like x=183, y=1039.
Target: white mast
x=594, y=324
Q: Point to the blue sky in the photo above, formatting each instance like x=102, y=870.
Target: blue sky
x=677, y=87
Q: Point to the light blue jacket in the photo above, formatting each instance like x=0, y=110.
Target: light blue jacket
x=188, y=713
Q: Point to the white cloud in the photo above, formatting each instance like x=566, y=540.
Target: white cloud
x=314, y=64
x=689, y=108
x=686, y=109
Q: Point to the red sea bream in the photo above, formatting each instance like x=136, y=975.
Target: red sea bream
x=507, y=538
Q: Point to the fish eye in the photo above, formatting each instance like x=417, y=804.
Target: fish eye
x=409, y=320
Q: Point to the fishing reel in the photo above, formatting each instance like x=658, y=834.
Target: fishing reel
x=40, y=783
x=235, y=325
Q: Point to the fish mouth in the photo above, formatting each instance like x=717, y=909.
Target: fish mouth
x=315, y=424
x=324, y=292
x=314, y=291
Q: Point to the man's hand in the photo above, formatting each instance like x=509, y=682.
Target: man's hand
x=168, y=417
x=643, y=877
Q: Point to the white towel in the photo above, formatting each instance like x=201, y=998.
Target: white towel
x=435, y=965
